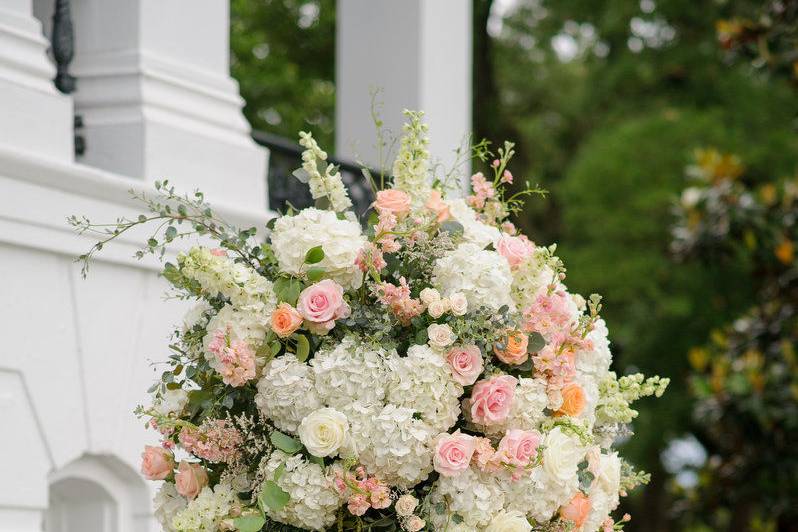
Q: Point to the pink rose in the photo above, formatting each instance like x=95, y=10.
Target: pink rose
x=466, y=364
x=519, y=447
x=491, y=399
x=515, y=249
x=157, y=463
x=394, y=201
x=436, y=204
x=190, y=479
x=321, y=304
x=453, y=453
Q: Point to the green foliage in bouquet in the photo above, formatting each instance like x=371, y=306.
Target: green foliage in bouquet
x=431, y=371
x=745, y=378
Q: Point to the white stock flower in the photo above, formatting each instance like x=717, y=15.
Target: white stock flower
x=474, y=231
x=422, y=382
x=313, y=499
x=286, y=393
x=482, y=276
x=351, y=371
x=341, y=241
x=440, y=336
x=509, y=521
x=562, y=455
x=171, y=402
x=322, y=185
x=207, y=510
x=323, y=432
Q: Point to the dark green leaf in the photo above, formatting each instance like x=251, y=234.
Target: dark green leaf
x=314, y=255
x=302, y=347
x=536, y=342
x=315, y=274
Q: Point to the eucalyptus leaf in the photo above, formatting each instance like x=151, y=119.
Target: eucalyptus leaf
x=273, y=496
x=249, y=523
x=284, y=442
x=454, y=229
x=536, y=342
x=301, y=174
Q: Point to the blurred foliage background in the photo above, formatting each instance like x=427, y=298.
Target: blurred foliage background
x=608, y=101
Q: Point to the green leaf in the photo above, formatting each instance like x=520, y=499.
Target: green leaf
x=314, y=255
x=171, y=233
x=315, y=274
x=279, y=472
x=275, y=347
x=273, y=496
x=302, y=347
x=287, y=290
x=249, y=523
x=454, y=229
x=316, y=460
x=284, y=442
x=536, y=343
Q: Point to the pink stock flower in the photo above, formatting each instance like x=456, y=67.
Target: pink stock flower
x=453, y=453
x=380, y=497
x=507, y=177
x=483, y=453
x=465, y=363
x=516, y=249
x=236, y=358
x=548, y=314
x=370, y=256
x=358, y=504
x=491, y=399
x=394, y=201
x=398, y=299
x=483, y=190
x=436, y=204
x=157, y=463
x=218, y=252
x=577, y=510
x=190, y=479
x=519, y=447
x=509, y=228
x=321, y=304
x=216, y=440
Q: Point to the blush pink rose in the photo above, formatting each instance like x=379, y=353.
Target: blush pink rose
x=190, y=479
x=491, y=399
x=466, y=364
x=321, y=304
x=453, y=453
x=394, y=201
x=157, y=463
x=519, y=447
x=516, y=249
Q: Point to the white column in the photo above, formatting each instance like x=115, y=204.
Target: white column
x=34, y=116
x=419, y=53
x=157, y=99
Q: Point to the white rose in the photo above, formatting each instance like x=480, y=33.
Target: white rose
x=440, y=336
x=509, y=521
x=172, y=402
x=324, y=431
x=561, y=456
x=458, y=303
x=405, y=505
x=429, y=296
x=438, y=308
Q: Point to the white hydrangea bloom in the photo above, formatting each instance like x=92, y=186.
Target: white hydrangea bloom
x=482, y=276
x=422, y=381
x=596, y=362
x=196, y=315
x=527, y=411
x=205, y=512
x=537, y=495
x=322, y=185
x=166, y=504
x=351, y=371
x=474, y=231
x=397, y=451
x=286, y=393
x=361, y=421
x=243, y=325
x=604, y=490
x=314, y=500
x=341, y=241
x=591, y=390
x=476, y=497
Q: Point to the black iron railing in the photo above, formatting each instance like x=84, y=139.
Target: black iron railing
x=286, y=156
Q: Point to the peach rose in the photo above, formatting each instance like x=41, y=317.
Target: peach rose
x=519, y=447
x=466, y=364
x=515, y=249
x=190, y=479
x=573, y=400
x=285, y=320
x=491, y=399
x=514, y=351
x=394, y=201
x=157, y=463
x=453, y=453
x=436, y=204
x=577, y=510
x=321, y=304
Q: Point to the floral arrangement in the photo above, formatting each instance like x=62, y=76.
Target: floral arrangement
x=431, y=372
